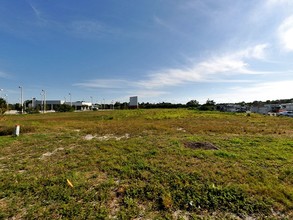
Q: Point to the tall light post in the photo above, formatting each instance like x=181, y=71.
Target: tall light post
x=21, y=98
x=44, y=100
x=70, y=99
x=92, y=102
x=6, y=98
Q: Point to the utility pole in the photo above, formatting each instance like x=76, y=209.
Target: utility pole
x=6, y=98
x=44, y=98
x=21, y=98
x=70, y=99
x=91, y=102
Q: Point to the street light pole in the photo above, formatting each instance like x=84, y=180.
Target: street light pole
x=70, y=99
x=21, y=98
x=92, y=102
x=7, y=101
x=44, y=97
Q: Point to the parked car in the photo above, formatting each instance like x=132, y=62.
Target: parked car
x=285, y=113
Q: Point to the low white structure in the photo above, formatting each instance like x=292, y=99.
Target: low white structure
x=81, y=105
x=51, y=105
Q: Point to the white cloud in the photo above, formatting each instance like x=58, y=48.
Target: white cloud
x=277, y=2
x=259, y=91
x=286, y=33
x=217, y=69
x=211, y=69
x=256, y=52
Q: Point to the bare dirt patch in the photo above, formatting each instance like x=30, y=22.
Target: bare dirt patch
x=181, y=129
x=201, y=145
x=106, y=137
x=48, y=154
x=89, y=137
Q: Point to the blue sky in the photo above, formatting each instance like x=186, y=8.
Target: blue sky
x=159, y=50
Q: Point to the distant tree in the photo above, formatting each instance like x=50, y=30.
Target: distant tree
x=210, y=102
x=17, y=107
x=210, y=105
x=241, y=103
x=257, y=103
x=117, y=105
x=27, y=104
x=30, y=110
x=192, y=104
x=3, y=106
x=124, y=105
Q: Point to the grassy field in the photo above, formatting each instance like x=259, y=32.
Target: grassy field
x=146, y=164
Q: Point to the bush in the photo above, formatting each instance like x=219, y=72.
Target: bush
x=3, y=106
x=32, y=111
x=64, y=108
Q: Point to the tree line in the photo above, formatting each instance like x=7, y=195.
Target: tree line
x=209, y=105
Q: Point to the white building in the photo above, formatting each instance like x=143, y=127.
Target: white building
x=51, y=105
x=81, y=105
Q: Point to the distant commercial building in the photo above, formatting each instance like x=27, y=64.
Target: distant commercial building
x=51, y=105
x=81, y=105
x=133, y=102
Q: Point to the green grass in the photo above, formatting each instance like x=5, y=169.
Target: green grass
x=136, y=166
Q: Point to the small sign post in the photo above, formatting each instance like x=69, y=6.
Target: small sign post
x=17, y=130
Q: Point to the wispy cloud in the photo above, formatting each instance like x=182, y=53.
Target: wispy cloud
x=144, y=93
x=255, y=52
x=41, y=20
x=163, y=24
x=286, y=33
x=4, y=75
x=90, y=29
x=81, y=27
x=35, y=10
x=104, y=84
